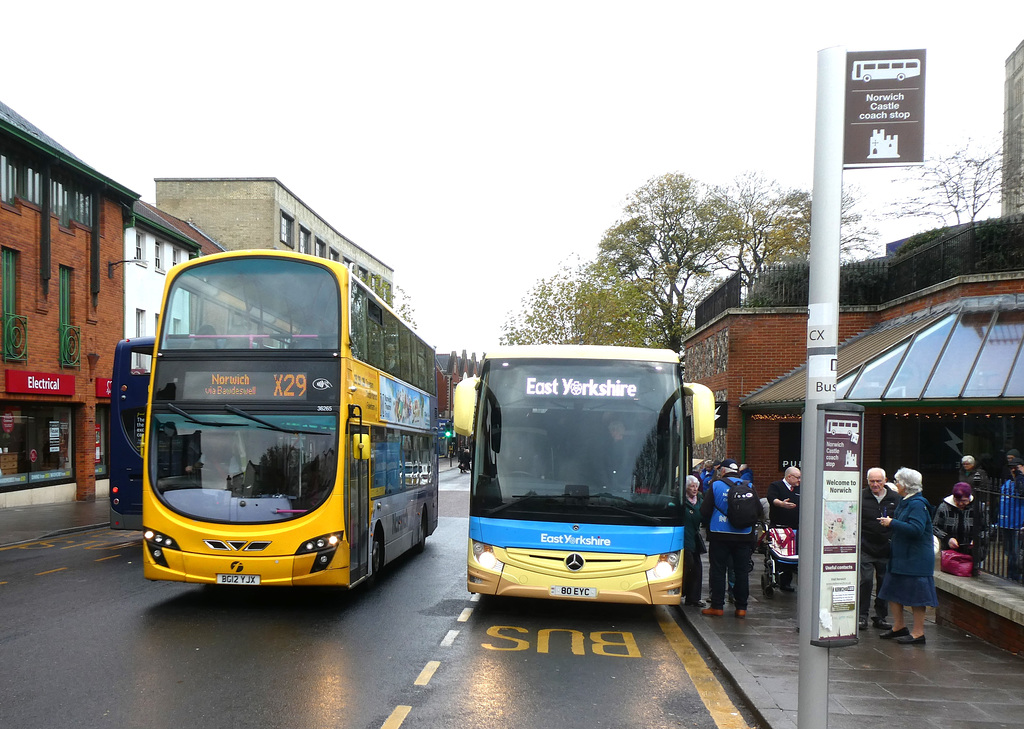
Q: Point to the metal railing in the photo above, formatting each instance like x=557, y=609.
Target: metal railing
x=70, y=346
x=15, y=333
x=1004, y=557
x=988, y=247
x=725, y=297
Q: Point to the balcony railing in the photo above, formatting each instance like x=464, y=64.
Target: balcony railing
x=70, y=346
x=15, y=333
x=990, y=247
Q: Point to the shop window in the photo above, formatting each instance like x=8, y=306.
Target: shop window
x=35, y=445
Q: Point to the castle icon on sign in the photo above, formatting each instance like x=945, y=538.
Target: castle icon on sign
x=882, y=146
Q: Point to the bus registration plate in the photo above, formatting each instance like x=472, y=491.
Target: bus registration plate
x=565, y=591
x=237, y=579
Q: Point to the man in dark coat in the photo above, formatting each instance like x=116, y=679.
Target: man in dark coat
x=875, y=501
x=784, y=511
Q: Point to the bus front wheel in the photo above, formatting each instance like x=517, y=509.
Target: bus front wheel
x=377, y=553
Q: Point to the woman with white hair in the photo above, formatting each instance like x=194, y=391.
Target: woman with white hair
x=910, y=580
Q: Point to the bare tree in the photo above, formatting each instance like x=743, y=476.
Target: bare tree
x=955, y=189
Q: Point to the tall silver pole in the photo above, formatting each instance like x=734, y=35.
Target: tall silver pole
x=822, y=343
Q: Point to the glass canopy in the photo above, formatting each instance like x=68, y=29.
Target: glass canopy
x=971, y=354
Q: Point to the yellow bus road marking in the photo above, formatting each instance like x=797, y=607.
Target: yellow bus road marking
x=465, y=615
x=397, y=717
x=50, y=572
x=427, y=673
x=104, y=559
x=450, y=638
x=712, y=693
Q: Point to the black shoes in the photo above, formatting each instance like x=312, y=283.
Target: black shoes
x=909, y=639
x=863, y=624
x=880, y=623
x=890, y=634
x=698, y=603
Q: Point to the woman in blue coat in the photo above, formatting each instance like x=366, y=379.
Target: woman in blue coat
x=910, y=580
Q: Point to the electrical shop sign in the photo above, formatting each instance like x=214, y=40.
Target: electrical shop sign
x=39, y=383
x=884, y=109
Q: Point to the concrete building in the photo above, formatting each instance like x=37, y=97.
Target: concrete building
x=1013, y=134
x=61, y=227
x=260, y=212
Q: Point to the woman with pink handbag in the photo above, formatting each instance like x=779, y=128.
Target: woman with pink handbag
x=960, y=525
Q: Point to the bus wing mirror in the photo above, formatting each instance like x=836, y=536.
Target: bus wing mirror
x=464, y=407
x=703, y=412
x=361, y=447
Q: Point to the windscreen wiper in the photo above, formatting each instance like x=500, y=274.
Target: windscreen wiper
x=268, y=424
x=193, y=419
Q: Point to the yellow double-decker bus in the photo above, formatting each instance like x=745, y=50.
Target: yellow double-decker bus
x=580, y=460
x=290, y=427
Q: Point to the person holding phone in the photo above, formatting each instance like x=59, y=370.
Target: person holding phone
x=876, y=500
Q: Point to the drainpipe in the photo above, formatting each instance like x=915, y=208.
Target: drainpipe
x=44, y=232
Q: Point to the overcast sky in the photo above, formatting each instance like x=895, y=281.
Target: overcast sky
x=476, y=146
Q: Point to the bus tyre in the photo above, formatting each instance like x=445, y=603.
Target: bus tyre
x=377, y=554
x=422, y=543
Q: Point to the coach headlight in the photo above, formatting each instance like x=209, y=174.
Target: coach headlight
x=484, y=556
x=665, y=568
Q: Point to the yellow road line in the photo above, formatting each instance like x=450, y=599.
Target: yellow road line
x=712, y=693
x=427, y=673
x=104, y=559
x=397, y=717
x=50, y=572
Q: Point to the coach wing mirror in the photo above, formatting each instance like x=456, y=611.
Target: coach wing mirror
x=464, y=407
x=361, y=447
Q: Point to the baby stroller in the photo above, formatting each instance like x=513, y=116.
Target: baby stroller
x=780, y=551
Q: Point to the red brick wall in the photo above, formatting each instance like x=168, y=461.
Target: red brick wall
x=979, y=622
x=100, y=324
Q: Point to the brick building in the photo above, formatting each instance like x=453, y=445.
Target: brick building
x=937, y=368
x=61, y=224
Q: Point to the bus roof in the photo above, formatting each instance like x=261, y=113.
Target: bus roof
x=572, y=351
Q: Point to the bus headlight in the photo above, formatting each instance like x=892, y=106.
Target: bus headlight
x=665, y=568
x=323, y=547
x=484, y=556
x=157, y=543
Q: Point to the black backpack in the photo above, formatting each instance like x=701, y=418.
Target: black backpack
x=743, y=507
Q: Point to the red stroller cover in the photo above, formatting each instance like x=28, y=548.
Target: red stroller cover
x=782, y=542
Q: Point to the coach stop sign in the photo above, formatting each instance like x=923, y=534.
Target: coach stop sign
x=884, y=109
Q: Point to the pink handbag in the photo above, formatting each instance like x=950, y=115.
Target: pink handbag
x=956, y=563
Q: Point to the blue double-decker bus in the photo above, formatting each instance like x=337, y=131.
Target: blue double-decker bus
x=129, y=392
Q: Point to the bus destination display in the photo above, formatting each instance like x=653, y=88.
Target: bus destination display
x=235, y=385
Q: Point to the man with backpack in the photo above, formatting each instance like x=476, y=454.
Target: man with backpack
x=731, y=509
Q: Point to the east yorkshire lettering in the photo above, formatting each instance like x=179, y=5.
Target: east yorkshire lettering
x=576, y=388
x=575, y=540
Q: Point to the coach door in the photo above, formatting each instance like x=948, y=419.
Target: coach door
x=358, y=498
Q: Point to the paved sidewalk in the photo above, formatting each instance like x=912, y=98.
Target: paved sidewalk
x=953, y=681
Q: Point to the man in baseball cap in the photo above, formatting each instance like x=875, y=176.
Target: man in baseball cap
x=729, y=547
